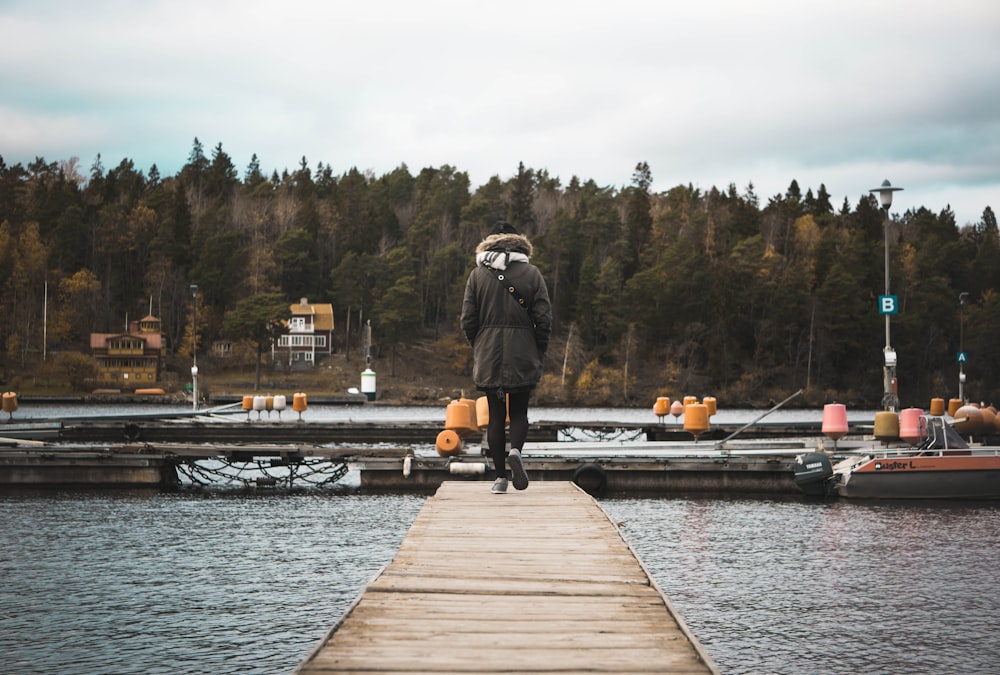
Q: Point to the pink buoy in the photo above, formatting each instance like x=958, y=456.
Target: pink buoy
x=835, y=420
x=910, y=431
x=676, y=409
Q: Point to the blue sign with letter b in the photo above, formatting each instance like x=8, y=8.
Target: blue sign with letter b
x=888, y=304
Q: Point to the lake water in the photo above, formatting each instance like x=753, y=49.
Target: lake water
x=229, y=581
x=233, y=582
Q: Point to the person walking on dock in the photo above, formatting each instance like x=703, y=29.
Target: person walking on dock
x=507, y=318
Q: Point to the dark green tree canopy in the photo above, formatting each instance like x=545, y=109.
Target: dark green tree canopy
x=714, y=289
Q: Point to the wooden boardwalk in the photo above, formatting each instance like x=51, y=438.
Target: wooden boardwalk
x=534, y=581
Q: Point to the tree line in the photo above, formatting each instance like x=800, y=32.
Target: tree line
x=687, y=290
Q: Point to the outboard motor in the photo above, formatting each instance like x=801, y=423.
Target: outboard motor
x=812, y=472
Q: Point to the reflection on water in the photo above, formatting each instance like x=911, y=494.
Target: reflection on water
x=795, y=586
x=223, y=582
x=232, y=582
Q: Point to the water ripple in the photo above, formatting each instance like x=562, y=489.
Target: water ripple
x=168, y=583
x=795, y=586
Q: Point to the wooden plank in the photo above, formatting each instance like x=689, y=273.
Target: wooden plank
x=532, y=581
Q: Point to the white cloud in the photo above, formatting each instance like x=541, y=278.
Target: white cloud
x=710, y=93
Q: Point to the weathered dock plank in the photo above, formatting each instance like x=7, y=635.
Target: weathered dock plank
x=533, y=581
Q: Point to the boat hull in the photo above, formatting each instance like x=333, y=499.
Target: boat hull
x=947, y=476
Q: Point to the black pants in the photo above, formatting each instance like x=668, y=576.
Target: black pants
x=516, y=407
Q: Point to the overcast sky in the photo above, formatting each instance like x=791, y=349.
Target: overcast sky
x=843, y=93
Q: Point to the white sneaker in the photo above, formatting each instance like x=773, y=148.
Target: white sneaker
x=499, y=486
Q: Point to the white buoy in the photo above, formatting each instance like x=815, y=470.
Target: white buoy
x=259, y=404
x=368, y=383
x=467, y=467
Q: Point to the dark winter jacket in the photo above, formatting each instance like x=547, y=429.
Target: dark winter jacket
x=508, y=341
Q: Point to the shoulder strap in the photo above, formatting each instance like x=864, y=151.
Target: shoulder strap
x=502, y=278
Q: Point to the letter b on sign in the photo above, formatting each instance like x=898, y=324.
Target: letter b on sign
x=887, y=304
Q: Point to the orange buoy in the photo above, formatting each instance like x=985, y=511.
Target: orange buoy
x=662, y=406
x=690, y=400
x=248, y=403
x=835, y=421
x=299, y=403
x=710, y=403
x=696, y=419
x=911, y=427
x=989, y=414
x=471, y=405
x=9, y=402
x=886, y=426
x=482, y=412
x=953, y=405
x=457, y=418
x=448, y=443
x=937, y=407
x=968, y=420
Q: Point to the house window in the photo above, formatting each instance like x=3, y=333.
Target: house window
x=298, y=323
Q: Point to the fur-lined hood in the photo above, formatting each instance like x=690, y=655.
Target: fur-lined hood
x=500, y=242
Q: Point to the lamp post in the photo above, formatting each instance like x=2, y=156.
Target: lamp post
x=888, y=306
x=962, y=297
x=194, y=347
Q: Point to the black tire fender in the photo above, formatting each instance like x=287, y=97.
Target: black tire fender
x=592, y=479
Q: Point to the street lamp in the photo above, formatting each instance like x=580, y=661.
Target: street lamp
x=962, y=297
x=888, y=306
x=194, y=347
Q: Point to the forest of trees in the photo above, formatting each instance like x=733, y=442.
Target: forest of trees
x=716, y=291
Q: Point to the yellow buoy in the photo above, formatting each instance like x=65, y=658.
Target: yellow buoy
x=937, y=407
x=457, y=418
x=696, y=419
x=886, y=426
x=662, y=406
x=710, y=403
x=448, y=443
x=953, y=405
